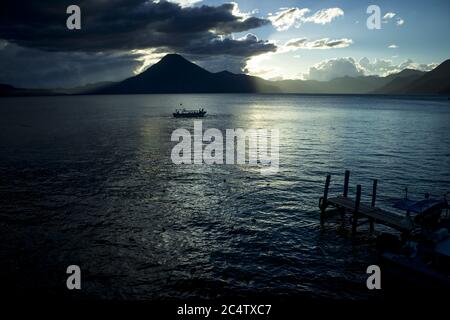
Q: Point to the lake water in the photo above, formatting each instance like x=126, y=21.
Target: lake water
x=88, y=180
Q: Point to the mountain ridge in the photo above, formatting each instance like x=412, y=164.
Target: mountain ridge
x=175, y=74
x=436, y=81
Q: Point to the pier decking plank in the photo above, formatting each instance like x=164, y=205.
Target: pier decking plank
x=385, y=217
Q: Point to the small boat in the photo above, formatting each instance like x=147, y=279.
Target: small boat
x=183, y=113
x=421, y=263
x=426, y=213
x=422, y=257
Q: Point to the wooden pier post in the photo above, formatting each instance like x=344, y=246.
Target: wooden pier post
x=346, y=180
x=374, y=198
x=345, y=194
x=374, y=192
x=356, y=210
x=324, y=200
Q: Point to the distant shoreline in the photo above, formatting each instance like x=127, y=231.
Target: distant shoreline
x=367, y=95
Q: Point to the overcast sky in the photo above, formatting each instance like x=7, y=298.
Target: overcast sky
x=289, y=39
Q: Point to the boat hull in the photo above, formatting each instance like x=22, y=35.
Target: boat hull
x=189, y=115
x=403, y=271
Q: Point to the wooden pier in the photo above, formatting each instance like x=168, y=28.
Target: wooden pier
x=343, y=205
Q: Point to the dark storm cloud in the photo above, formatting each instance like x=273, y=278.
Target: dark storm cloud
x=41, y=51
x=245, y=47
x=234, y=53
x=121, y=25
x=32, y=68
